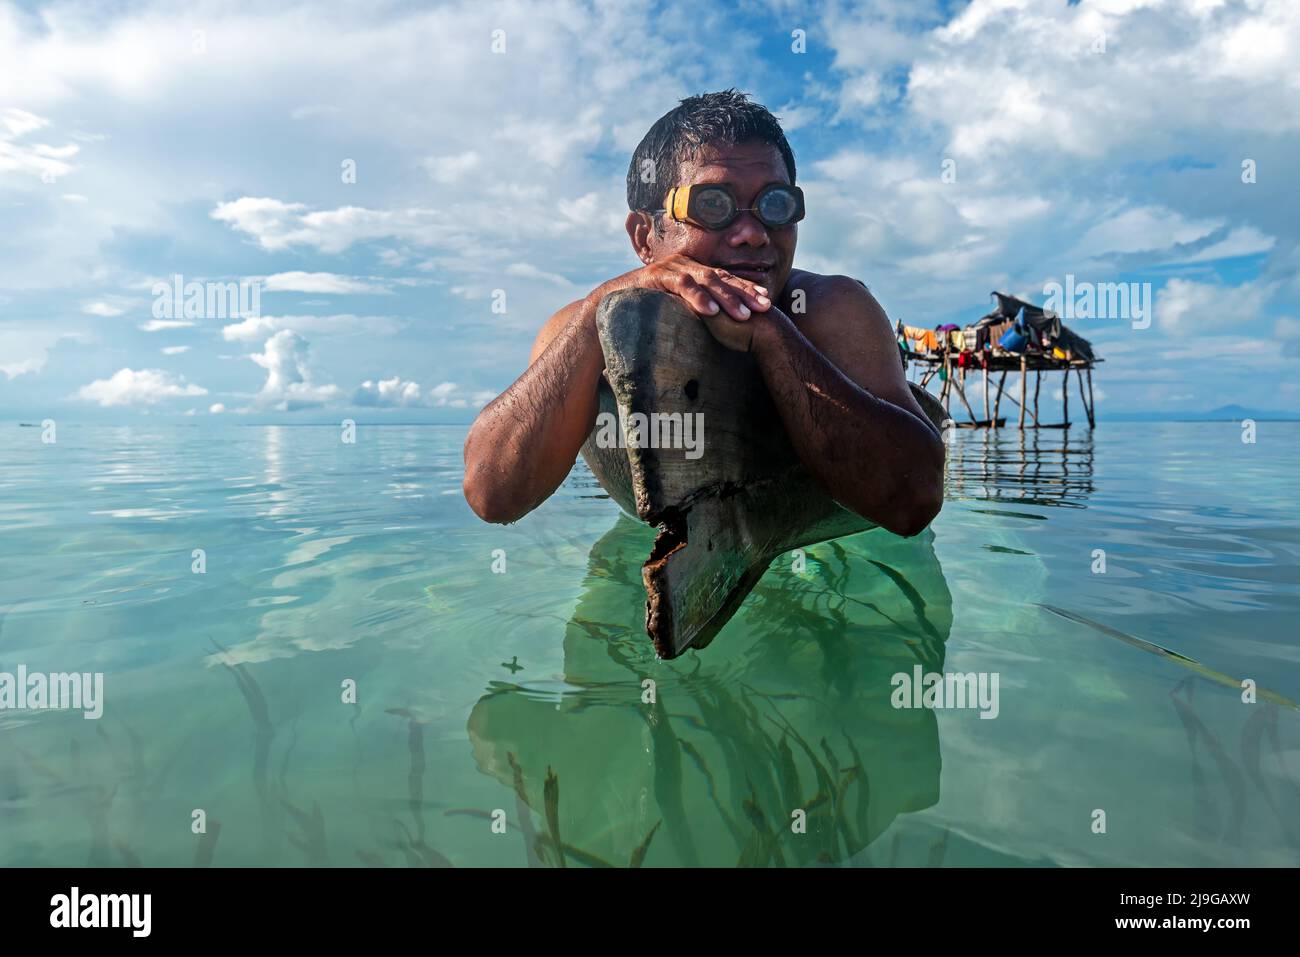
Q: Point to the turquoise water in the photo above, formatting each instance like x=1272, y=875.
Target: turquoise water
x=328, y=562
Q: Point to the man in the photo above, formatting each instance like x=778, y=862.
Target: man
x=824, y=346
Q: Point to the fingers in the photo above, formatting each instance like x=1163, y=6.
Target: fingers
x=755, y=296
x=726, y=294
x=696, y=296
x=710, y=291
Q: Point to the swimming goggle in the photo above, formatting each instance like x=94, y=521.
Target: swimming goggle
x=713, y=206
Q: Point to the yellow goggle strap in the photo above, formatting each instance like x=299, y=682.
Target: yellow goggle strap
x=678, y=203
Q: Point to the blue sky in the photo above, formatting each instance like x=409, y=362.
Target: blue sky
x=140, y=141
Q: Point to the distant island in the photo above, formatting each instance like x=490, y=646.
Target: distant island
x=1224, y=413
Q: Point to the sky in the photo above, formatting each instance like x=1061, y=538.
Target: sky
x=414, y=189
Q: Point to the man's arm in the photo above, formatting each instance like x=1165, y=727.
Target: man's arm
x=847, y=407
x=524, y=442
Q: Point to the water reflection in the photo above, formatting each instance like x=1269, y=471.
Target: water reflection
x=1031, y=467
x=277, y=496
x=788, y=710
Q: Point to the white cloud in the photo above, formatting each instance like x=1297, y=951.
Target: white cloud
x=861, y=92
x=25, y=349
x=250, y=329
x=452, y=169
x=387, y=393
x=1142, y=229
x=162, y=325
x=216, y=408
x=854, y=166
x=1287, y=328
x=19, y=122
x=553, y=142
x=255, y=328
x=46, y=163
x=174, y=350
x=142, y=387
x=795, y=117
x=319, y=282
x=16, y=367
x=1184, y=304
x=1243, y=241
x=450, y=395
x=289, y=378
x=529, y=271
x=440, y=394
x=102, y=309
x=278, y=225
x=982, y=76
x=1055, y=141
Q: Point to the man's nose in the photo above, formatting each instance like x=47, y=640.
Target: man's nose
x=748, y=230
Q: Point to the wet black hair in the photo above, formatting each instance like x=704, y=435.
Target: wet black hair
x=726, y=118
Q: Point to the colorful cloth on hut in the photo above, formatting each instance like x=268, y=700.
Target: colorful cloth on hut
x=925, y=339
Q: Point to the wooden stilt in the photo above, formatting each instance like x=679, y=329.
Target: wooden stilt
x=1092, y=403
x=1012, y=399
x=944, y=365
x=1083, y=397
x=1024, y=384
x=1065, y=396
x=961, y=394
x=997, y=403
x=947, y=386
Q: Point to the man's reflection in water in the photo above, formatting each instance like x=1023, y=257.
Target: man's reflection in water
x=787, y=711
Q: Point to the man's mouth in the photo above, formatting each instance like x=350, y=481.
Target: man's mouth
x=758, y=273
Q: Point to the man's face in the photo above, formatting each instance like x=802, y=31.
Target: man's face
x=747, y=248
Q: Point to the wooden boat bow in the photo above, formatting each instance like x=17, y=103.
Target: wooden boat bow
x=725, y=508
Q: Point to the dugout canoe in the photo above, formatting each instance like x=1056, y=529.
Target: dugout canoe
x=724, y=510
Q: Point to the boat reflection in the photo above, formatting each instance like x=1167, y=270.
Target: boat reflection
x=719, y=757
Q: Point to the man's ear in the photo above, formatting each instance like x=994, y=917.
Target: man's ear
x=639, y=227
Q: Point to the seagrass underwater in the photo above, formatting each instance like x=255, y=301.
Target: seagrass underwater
x=53, y=691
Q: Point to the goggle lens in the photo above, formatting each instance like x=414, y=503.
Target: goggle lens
x=714, y=207
x=777, y=207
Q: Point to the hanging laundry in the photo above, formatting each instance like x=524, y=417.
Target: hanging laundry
x=925, y=340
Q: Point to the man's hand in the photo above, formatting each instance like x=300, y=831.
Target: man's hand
x=706, y=289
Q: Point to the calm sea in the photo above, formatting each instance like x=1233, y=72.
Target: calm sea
x=1120, y=585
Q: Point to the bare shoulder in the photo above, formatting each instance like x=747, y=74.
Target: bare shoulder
x=834, y=306
x=849, y=327
x=552, y=328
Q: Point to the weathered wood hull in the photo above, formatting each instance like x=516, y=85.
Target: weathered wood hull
x=725, y=509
